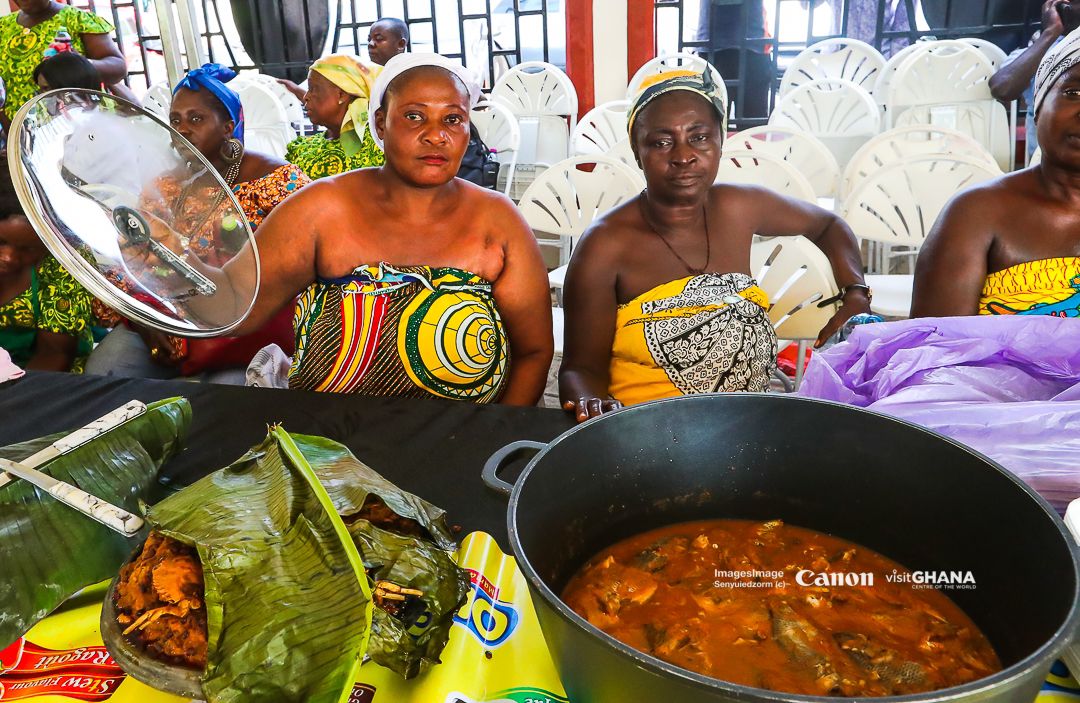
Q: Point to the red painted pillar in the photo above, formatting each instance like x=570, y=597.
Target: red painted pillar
x=640, y=35
x=579, y=51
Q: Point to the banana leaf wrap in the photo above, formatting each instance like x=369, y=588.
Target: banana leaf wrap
x=350, y=482
x=420, y=561
x=288, y=603
x=412, y=643
x=50, y=551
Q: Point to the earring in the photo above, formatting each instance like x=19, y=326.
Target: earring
x=232, y=150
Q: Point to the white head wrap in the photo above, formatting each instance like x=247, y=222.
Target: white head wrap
x=407, y=61
x=1061, y=57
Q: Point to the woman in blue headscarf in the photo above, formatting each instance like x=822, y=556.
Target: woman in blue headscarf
x=207, y=113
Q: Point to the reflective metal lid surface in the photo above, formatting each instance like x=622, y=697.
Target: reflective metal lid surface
x=134, y=212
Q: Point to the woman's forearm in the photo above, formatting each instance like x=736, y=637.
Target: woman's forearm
x=112, y=69
x=528, y=377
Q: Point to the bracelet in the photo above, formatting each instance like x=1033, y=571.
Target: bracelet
x=843, y=293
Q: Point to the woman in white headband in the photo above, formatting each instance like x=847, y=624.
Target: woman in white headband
x=1011, y=246
x=411, y=282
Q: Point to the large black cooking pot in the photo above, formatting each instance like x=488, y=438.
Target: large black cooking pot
x=912, y=495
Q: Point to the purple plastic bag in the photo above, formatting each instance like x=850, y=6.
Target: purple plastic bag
x=1006, y=386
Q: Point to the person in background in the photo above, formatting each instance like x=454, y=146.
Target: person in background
x=66, y=70
x=659, y=301
x=45, y=315
x=721, y=24
x=386, y=39
x=412, y=283
x=25, y=35
x=337, y=99
x=1014, y=80
x=1011, y=246
x=207, y=113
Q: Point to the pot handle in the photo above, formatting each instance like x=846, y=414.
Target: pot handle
x=499, y=459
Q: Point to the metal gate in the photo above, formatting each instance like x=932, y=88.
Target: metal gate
x=792, y=25
x=282, y=37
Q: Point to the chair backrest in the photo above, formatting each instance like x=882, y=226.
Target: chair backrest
x=800, y=149
x=903, y=143
x=266, y=125
x=157, y=100
x=838, y=112
x=294, y=109
x=899, y=204
x=497, y=127
x=989, y=49
x=795, y=274
x=536, y=88
x=600, y=129
x=985, y=121
x=623, y=152
x=761, y=169
x=850, y=59
x=565, y=200
x=500, y=131
x=881, y=87
x=943, y=72
x=1036, y=157
x=670, y=62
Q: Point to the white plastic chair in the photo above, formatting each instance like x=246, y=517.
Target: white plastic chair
x=796, y=275
x=762, y=169
x=564, y=200
x=850, y=59
x=294, y=109
x=800, y=149
x=671, y=62
x=881, y=87
x=985, y=121
x=544, y=101
x=600, y=129
x=1036, y=157
x=943, y=72
x=266, y=125
x=622, y=151
x=500, y=131
x=899, y=204
x=158, y=99
x=989, y=49
x=839, y=113
x=903, y=143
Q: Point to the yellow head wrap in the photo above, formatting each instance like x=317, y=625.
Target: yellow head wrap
x=355, y=79
x=701, y=83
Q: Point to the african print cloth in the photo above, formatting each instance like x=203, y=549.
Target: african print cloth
x=701, y=334
x=413, y=331
x=23, y=48
x=1043, y=287
x=320, y=157
x=661, y=84
x=54, y=302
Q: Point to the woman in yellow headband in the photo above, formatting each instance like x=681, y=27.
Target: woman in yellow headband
x=659, y=300
x=339, y=87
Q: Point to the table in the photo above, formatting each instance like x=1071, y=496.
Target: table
x=434, y=448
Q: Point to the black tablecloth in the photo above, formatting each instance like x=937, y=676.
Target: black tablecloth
x=433, y=448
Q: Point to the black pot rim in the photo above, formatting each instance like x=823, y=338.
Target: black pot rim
x=1049, y=650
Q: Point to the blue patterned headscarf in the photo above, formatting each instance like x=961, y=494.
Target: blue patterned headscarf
x=213, y=77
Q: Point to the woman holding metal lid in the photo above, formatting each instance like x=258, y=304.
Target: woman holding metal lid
x=659, y=299
x=412, y=282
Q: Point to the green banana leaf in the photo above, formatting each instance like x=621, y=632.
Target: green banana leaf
x=408, y=560
x=411, y=644
x=49, y=551
x=288, y=602
x=350, y=482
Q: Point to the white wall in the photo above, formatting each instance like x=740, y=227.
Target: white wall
x=609, y=50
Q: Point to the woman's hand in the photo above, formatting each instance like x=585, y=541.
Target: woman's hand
x=162, y=351
x=854, y=303
x=588, y=408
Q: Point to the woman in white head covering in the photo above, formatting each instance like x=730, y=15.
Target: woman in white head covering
x=411, y=282
x=1011, y=246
